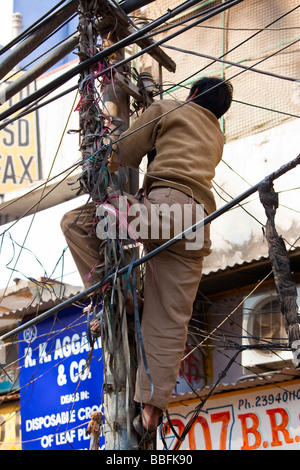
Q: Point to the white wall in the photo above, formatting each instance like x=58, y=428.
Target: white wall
x=236, y=235
x=44, y=245
x=6, y=21
x=59, y=149
x=44, y=242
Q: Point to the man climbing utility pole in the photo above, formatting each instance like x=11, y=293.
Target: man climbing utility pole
x=115, y=106
x=119, y=375
x=104, y=115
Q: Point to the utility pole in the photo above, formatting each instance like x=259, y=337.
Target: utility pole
x=105, y=22
x=118, y=381
x=119, y=373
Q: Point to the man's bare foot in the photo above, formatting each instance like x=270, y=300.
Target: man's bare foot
x=130, y=306
x=150, y=416
x=146, y=423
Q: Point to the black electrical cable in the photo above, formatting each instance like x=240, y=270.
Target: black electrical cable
x=131, y=5
x=271, y=177
x=112, y=49
x=16, y=72
x=200, y=406
x=235, y=64
x=267, y=109
x=31, y=29
x=30, y=108
x=34, y=107
x=182, y=22
x=240, y=44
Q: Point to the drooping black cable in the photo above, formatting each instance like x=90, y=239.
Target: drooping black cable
x=222, y=210
x=200, y=406
x=235, y=64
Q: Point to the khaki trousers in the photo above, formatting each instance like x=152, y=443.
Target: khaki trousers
x=171, y=281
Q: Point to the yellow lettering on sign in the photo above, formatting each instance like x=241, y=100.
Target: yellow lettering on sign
x=19, y=163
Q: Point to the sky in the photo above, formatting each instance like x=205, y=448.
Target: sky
x=32, y=11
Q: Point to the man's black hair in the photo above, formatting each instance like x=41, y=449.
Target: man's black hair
x=213, y=94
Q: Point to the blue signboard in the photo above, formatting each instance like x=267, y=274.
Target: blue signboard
x=61, y=380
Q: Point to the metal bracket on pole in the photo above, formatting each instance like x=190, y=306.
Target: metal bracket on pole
x=125, y=28
x=127, y=86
